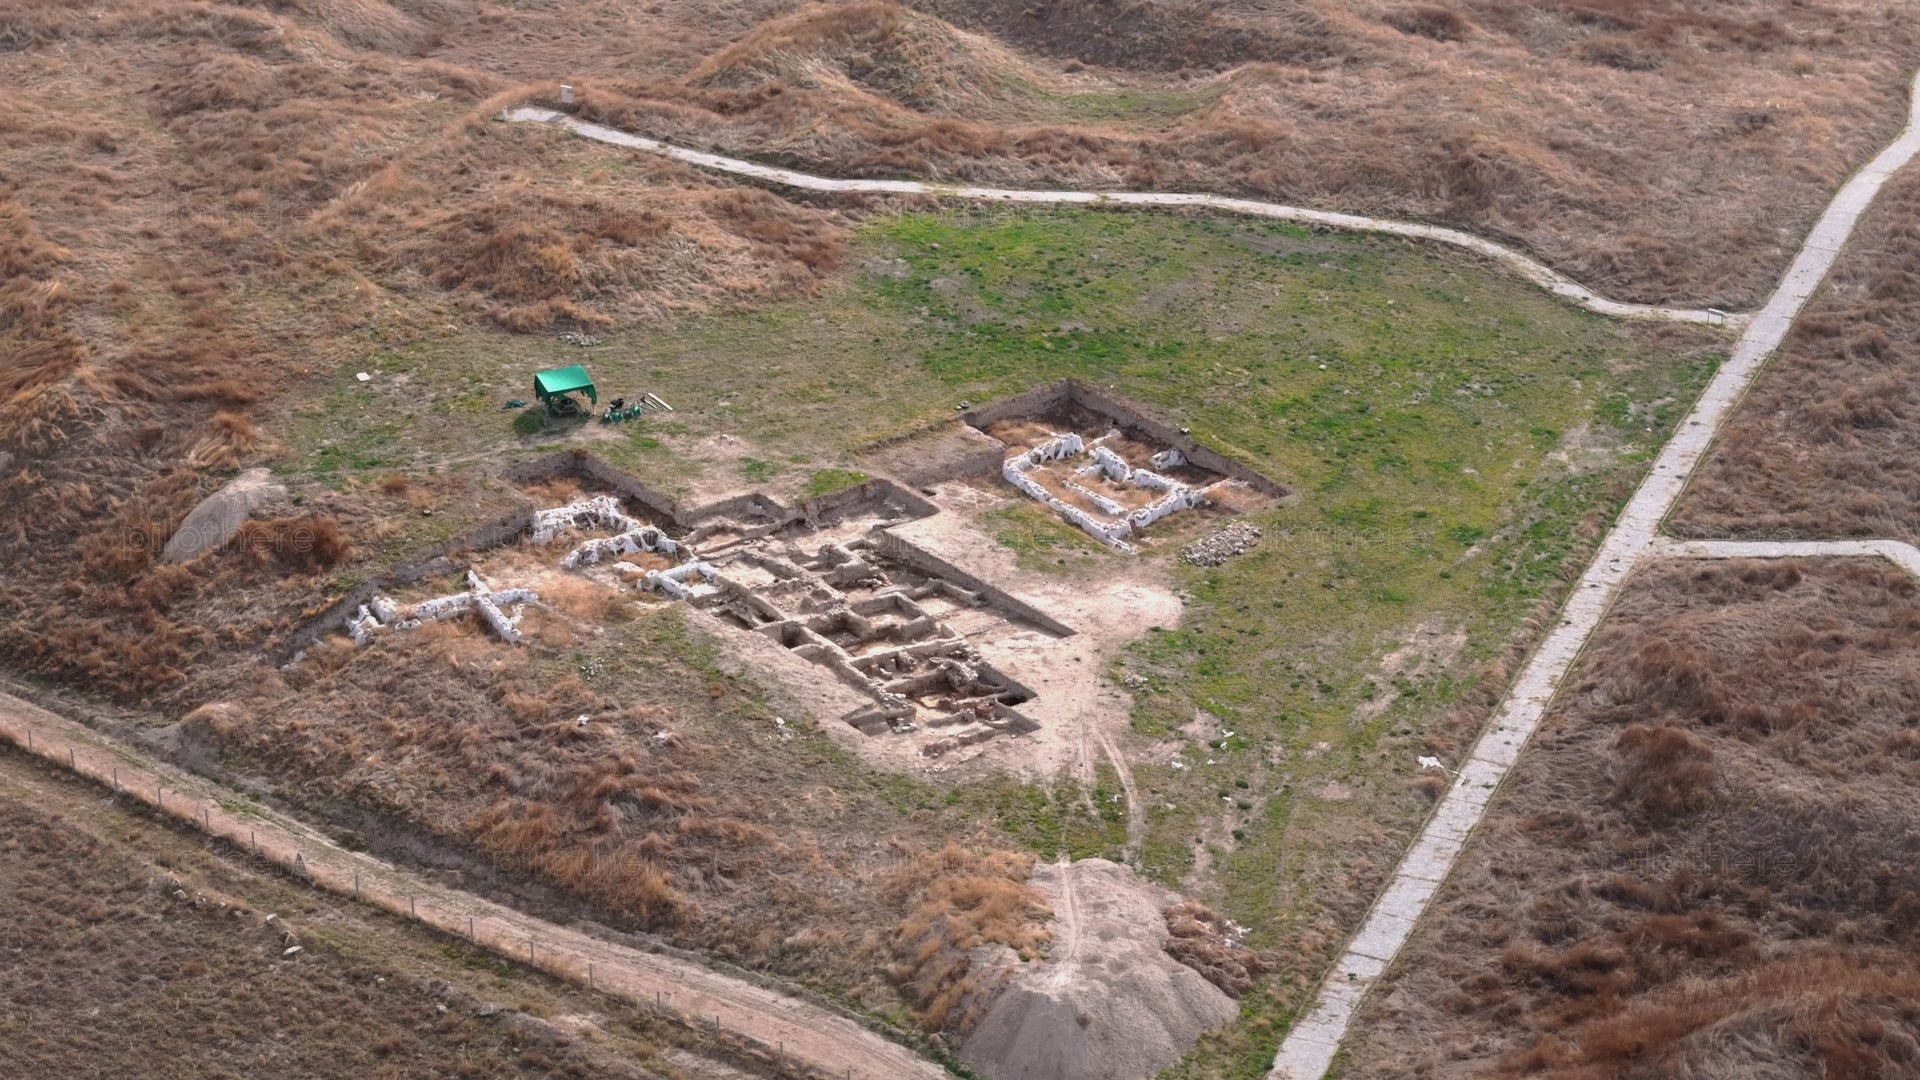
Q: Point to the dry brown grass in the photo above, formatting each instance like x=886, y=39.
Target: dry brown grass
x=39, y=347
x=536, y=258
x=306, y=544
x=1570, y=127
x=165, y=153
x=105, y=971
x=1183, y=34
x=876, y=56
x=1706, y=863
x=234, y=192
x=1201, y=938
x=205, y=203
x=1648, y=148
x=1429, y=21
x=1824, y=444
x=959, y=901
x=638, y=818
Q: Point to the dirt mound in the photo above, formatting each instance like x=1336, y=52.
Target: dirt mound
x=910, y=58
x=406, y=28
x=1151, y=35
x=1109, y=1001
x=535, y=253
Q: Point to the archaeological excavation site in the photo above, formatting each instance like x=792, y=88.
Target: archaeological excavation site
x=869, y=585
x=901, y=539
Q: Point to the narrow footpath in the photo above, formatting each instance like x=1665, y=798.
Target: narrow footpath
x=807, y=1037
x=1527, y=267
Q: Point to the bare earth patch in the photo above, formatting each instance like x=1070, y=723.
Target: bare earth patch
x=1108, y=1001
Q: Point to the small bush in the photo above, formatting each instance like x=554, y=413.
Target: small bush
x=1663, y=772
x=1200, y=938
x=304, y=544
x=1429, y=21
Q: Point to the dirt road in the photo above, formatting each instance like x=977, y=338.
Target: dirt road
x=812, y=1037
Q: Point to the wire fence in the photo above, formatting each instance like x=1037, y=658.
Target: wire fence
x=479, y=923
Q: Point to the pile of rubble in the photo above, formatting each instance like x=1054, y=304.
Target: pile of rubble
x=501, y=608
x=1236, y=539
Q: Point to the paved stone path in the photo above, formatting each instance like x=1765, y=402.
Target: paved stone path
x=1898, y=552
x=1309, y=1048
x=807, y=1039
x=837, y=1045
x=1532, y=269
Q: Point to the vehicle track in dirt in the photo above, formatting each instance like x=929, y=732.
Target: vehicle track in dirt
x=1067, y=928
x=811, y=1038
x=1136, y=814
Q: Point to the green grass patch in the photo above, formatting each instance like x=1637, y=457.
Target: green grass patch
x=480, y=960
x=828, y=481
x=1040, y=540
x=529, y=422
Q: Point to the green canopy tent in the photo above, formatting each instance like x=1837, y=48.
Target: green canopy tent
x=553, y=387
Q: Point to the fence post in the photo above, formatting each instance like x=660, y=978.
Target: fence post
x=116, y=779
x=470, y=937
x=70, y=762
x=356, y=884
x=589, y=975
x=159, y=795
x=412, y=909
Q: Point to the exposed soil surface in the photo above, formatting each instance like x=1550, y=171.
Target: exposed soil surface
x=1108, y=1001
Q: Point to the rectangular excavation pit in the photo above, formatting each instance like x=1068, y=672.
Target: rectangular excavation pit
x=1100, y=463
x=1071, y=405
x=826, y=580
x=881, y=622
x=1108, y=484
